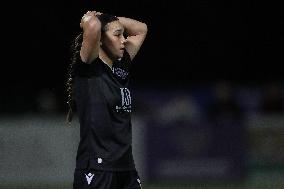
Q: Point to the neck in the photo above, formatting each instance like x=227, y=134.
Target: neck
x=105, y=58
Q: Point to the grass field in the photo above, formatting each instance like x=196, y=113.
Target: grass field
x=164, y=187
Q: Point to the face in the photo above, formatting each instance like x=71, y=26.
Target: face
x=113, y=40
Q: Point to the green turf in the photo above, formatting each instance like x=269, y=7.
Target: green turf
x=199, y=186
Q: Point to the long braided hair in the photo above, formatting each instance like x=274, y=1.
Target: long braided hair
x=75, y=51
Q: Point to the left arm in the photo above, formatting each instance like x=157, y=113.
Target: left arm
x=136, y=34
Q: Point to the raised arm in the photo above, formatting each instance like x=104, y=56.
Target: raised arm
x=136, y=32
x=91, y=36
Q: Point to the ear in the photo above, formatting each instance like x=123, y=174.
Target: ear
x=101, y=43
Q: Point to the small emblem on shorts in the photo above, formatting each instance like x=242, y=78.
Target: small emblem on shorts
x=100, y=160
x=89, y=177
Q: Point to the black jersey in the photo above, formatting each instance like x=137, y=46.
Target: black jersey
x=103, y=104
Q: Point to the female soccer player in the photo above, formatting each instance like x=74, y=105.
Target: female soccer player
x=99, y=80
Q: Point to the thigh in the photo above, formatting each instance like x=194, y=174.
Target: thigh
x=93, y=179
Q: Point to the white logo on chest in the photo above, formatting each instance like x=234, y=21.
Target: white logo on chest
x=125, y=101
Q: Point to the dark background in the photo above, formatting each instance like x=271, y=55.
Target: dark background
x=178, y=97
x=188, y=42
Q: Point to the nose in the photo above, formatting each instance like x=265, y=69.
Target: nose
x=123, y=40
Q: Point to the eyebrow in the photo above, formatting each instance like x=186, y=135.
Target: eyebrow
x=118, y=31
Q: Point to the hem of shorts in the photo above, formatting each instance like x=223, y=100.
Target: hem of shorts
x=107, y=169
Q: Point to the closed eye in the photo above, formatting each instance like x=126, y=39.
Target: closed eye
x=118, y=32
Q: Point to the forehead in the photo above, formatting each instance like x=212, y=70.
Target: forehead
x=115, y=25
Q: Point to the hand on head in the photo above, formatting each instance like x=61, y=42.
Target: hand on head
x=88, y=15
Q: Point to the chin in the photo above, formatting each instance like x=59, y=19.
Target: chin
x=120, y=56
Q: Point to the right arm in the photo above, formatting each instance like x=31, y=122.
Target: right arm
x=91, y=37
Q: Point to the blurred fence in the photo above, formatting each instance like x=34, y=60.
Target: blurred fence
x=41, y=149
x=188, y=136
x=36, y=150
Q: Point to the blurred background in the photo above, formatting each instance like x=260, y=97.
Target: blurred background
x=207, y=90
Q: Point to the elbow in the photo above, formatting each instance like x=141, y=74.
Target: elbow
x=144, y=28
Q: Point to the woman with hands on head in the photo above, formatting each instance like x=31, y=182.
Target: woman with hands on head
x=98, y=83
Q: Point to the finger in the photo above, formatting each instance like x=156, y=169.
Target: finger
x=88, y=13
x=87, y=18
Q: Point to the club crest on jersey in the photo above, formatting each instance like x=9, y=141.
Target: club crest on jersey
x=125, y=105
x=119, y=72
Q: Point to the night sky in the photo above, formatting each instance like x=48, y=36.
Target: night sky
x=187, y=42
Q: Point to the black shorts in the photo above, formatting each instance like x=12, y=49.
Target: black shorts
x=93, y=179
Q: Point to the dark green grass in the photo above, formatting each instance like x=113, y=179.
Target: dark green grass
x=172, y=186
